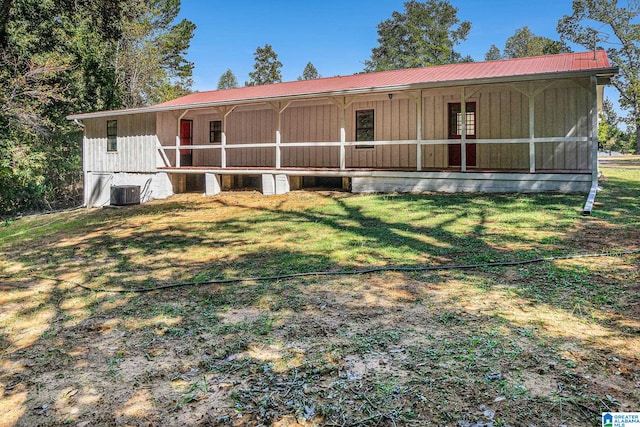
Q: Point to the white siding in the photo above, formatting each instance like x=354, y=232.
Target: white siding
x=137, y=145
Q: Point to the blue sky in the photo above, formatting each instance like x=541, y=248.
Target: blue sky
x=336, y=36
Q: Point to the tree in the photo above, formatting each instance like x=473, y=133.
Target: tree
x=424, y=34
x=266, y=69
x=493, y=53
x=227, y=80
x=5, y=8
x=524, y=43
x=65, y=56
x=150, y=61
x=610, y=137
x=310, y=72
x=624, y=46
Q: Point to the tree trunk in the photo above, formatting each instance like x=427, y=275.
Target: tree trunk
x=637, y=136
x=5, y=8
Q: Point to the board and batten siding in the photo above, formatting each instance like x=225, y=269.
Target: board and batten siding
x=395, y=120
x=502, y=112
x=202, y=136
x=251, y=126
x=311, y=123
x=167, y=130
x=137, y=144
x=562, y=110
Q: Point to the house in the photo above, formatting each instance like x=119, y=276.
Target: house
x=517, y=125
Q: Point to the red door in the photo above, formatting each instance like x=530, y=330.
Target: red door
x=455, y=157
x=186, y=138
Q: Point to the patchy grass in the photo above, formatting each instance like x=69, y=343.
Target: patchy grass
x=547, y=344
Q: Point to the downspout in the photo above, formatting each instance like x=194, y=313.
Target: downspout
x=588, y=206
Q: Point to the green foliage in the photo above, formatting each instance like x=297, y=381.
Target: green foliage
x=524, y=43
x=493, y=53
x=63, y=57
x=266, y=69
x=583, y=27
x=227, y=80
x=310, y=72
x=423, y=35
x=610, y=137
x=150, y=58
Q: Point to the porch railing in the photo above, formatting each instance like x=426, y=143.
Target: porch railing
x=278, y=147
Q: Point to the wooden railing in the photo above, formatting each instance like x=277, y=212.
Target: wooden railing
x=418, y=143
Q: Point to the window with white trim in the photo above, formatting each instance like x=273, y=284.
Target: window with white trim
x=112, y=136
x=365, y=127
x=215, y=131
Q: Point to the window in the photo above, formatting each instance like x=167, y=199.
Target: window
x=112, y=135
x=455, y=120
x=215, y=131
x=365, y=130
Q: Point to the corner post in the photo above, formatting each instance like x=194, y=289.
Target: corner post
x=593, y=129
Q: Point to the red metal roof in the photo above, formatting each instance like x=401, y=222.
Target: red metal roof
x=436, y=75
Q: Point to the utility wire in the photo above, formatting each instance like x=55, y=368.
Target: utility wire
x=338, y=273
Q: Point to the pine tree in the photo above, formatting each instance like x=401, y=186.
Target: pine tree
x=227, y=80
x=266, y=69
x=310, y=72
x=493, y=53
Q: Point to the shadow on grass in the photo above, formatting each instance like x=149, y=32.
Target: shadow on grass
x=107, y=249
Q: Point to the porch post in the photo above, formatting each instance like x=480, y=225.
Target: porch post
x=224, y=113
x=463, y=133
x=593, y=129
x=343, y=137
x=223, y=143
x=184, y=113
x=532, y=122
x=419, y=132
x=178, y=149
x=278, y=138
x=279, y=108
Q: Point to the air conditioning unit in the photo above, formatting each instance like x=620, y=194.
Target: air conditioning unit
x=122, y=195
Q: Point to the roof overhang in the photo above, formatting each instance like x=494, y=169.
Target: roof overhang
x=603, y=76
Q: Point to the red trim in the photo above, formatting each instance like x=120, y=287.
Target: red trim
x=186, y=135
x=455, y=150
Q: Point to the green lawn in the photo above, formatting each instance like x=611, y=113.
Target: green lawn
x=542, y=344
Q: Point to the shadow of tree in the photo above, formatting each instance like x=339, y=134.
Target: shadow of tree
x=384, y=349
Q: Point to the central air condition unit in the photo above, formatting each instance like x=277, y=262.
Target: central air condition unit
x=122, y=195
